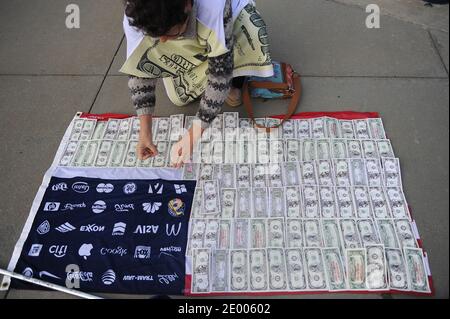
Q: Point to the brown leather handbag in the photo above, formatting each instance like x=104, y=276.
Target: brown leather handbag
x=284, y=84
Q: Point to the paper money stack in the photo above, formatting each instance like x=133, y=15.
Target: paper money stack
x=317, y=205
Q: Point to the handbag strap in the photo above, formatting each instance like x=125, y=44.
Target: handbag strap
x=292, y=104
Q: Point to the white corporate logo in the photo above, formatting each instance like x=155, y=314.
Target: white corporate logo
x=59, y=187
x=119, y=229
x=70, y=206
x=86, y=276
x=109, y=277
x=142, y=252
x=156, y=189
x=104, y=188
x=35, y=250
x=58, y=251
x=47, y=274
x=146, y=229
x=180, y=189
x=51, y=206
x=123, y=208
x=85, y=250
x=120, y=251
x=92, y=228
x=80, y=187
x=151, y=207
x=129, y=188
x=65, y=228
x=43, y=228
x=98, y=207
x=28, y=272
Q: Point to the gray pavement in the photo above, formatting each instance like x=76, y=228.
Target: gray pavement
x=48, y=72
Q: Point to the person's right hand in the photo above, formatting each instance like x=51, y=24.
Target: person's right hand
x=145, y=148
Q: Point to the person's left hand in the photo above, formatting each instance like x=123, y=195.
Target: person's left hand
x=182, y=150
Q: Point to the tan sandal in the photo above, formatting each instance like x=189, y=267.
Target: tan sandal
x=234, y=101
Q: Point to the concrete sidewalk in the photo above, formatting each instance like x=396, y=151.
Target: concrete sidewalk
x=48, y=72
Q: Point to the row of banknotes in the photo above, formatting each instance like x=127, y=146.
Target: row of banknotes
x=228, y=126
x=372, y=268
x=304, y=201
x=343, y=233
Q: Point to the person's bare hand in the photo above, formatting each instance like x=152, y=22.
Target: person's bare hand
x=146, y=148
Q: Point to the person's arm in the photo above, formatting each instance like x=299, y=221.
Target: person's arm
x=143, y=97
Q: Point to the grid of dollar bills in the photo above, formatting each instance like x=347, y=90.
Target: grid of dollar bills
x=314, y=205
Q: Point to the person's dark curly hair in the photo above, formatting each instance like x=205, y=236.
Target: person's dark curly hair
x=156, y=17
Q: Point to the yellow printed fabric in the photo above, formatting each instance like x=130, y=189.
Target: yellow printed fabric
x=183, y=62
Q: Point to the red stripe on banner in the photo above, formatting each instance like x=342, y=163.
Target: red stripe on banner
x=104, y=117
x=342, y=115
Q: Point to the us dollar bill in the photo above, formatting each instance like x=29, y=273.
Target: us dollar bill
x=258, y=269
x=275, y=175
x=276, y=151
x=332, y=127
x=244, y=204
x=288, y=129
x=362, y=202
x=88, y=129
x=405, y=233
x=206, y=152
x=91, y=153
x=123, y=133
x=206, y=172
x=327, y=202
x=332, y=234
x=117, y=154
x=325, y=172
x=260, y=202
x=112, y=128
x=78, y=157
x=358, y=172
x=239, y=276
x=342, y=172
x=216, y=129
x=374, y=172
x=387, y=232
x=246, y=151
x=310, y=199
x=228, y=202
x=220, y=271
x=293, y=150
x=376, y=278
x=230, y=154
x=346, y=128
x=370, y=149
x=176, y=127
x=368, y=232
x=294, y=233
x=350, y=235
x=376, y=128
x=354, y=149
x=161, y=159
x=244, y=176
x=417, y=272
x=316, y=277
x=308, y=173
x=295, y=269
x=274, y=132
x=293, y=202
x=276, y=202
x=345, y=204
x=135, y=128
x=201, y=271
x=241, y=232
x=68, y=153
x=397, y=203
x=211, y=234
x=227, y=176
x=261, y=133
x=385, y=148
x=277, y=269
x=216, y=152
x=379, y=202
x=263, y=151
x=246, y=131
x=398, y=275
x=190, y=171
x=392, y=172
x=197, y=236
x=76, y=129
x=303, y=129
x=259, y=175
x=104, y=153
x=162, y=129
x=291, y=173
x=323, y=149
x=197, y=203
x=99, y=130
x=308, y=150
x=211, y=197
x=362, y=130
x=318, y=128
x=339, y=148
x=275, y=232
x=258, y=233
x=130, y=155
x=356, y=268
x=312, y=233
x=334, y=268
x=225, y=233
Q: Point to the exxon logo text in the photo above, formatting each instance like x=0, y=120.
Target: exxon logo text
x=92, y=228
